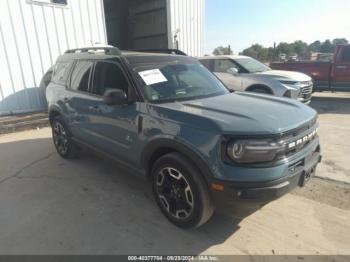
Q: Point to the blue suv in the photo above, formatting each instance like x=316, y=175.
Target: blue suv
x=168, y=119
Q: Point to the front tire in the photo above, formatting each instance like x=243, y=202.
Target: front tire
x=181, y=192
x=62, y=139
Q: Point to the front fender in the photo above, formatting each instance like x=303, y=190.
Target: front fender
x=163, y=145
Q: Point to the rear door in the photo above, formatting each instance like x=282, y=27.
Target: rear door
x=77, y=99
x=341, y=70
x=148, y=27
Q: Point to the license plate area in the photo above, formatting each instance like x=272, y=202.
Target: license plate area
x=306, y=176
x=310, y=164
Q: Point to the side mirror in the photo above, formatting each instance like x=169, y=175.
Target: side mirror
x=115, y=97
x=233, y=71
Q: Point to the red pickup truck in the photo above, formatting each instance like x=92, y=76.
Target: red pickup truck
x=332, y=76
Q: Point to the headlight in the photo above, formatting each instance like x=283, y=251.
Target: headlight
x=289, y=82
x=254, y=151
x=244, y=151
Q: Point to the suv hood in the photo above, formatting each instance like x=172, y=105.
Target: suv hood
x=244, y=113
x=285, y=75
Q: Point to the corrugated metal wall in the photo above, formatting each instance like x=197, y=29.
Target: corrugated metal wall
x=32, y=35
x=187, y=21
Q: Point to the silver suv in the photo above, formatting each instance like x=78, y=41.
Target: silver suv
x=243, y=73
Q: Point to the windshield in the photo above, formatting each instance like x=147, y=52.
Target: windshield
x=178, y=81
x=252, y=65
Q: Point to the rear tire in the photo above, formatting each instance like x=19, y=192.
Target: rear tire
x=63, y=140
x=181, y=192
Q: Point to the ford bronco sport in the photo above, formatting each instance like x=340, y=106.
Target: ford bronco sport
x=170, y=120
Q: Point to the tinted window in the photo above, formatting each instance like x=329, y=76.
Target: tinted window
x=346, y=55
x=81, y=75
x=252, y=65
x=206, y=63
x=59, y=2
x=61, y=71
x=108, y=76
x=222, y=65
x=62, y=2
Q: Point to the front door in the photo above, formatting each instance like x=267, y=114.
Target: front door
x=113, y=129
x=221, y=68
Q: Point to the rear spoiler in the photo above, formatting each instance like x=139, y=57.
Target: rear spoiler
x=162, y=51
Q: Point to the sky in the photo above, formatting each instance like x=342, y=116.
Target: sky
x=241, y=23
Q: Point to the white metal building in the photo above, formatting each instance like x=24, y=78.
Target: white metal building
x=34, y=32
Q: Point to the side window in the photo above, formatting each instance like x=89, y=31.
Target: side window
x=61, y=71
x=61, y=2
x=346, y=55
x=81, y=75
x=206, y=63
x=108, y=76
x=222, y=65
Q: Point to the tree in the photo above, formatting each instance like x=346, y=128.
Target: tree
x=298, y=47
x=301, y=48
x=221, y=50
x=327, y=47
x=285, y=48
x=271, y=54
x=258, y=52
x=340, y=41
x=315, y=46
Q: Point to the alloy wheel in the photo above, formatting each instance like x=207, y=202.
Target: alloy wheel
x=60, y=138
x=174, y=193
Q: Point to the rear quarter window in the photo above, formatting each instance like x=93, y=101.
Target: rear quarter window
x=346, y=55
x=61, y=72
x=81, y=76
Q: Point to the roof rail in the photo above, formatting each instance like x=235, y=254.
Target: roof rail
x=163, y=51
x=110, y=50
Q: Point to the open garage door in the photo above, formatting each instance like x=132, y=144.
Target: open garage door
x=136, y=24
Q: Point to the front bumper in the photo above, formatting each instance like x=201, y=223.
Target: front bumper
x=305, y=93
x=305, y=98
x=299, y=174
x=302, y=92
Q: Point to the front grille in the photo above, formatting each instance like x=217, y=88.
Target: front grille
x=301, y=140
x=306, y=89
x=300, y=130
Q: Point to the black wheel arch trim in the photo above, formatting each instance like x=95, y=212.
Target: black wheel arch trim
x=170, y=145
x=54, y=110
x=261, y=86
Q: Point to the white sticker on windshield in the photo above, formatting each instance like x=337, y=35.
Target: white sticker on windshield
x=153, y=76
